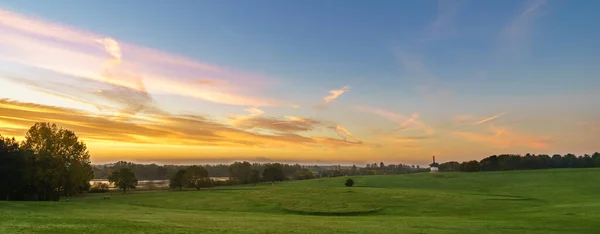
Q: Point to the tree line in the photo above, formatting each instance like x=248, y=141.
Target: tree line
x=505, y=162
x=246, y=172
x=50, y=162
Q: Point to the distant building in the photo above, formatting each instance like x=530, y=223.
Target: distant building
x=433, y=168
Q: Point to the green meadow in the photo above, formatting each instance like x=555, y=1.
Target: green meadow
x=536, y=201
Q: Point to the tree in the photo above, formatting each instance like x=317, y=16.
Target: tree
x=179, y=180
x=196, y=176
x=273, y=172
x=450, y=166
x=62, y=161
x=240, y=172
x=349, y=182
x=470, y=166
x=12, y=168
x=557, y=161
x=354, y=170
x=254, y=176
x=596, y=158
x=123, y=179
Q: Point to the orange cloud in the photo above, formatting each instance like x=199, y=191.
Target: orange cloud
x=337, y=143
x=173, y=130
x=505, y=138
x=405, y=147
x=344, y=134
x=256, y=120
x=53, y=47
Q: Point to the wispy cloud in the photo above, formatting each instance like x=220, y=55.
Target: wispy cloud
x=104, y=96
x=345, y=134
x=444, y=22
x=292, y=124
x=517, y=33
x=428, y=83
x=37, y=43
x=404, y=123
x=113, y=48
x=334, y=94
x=256, y=120
x=488, y=119
x=176, y=130
x=406, y=147
x=499, y=137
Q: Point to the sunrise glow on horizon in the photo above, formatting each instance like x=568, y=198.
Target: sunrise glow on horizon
x=287, y=83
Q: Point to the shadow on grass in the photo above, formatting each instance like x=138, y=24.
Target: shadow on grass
x=500, y=197
x=326, y=213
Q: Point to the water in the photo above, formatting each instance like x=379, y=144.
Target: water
x=152, y=184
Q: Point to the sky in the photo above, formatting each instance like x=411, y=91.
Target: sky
x=313, y=82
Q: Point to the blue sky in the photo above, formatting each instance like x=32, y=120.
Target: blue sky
x=440, y=59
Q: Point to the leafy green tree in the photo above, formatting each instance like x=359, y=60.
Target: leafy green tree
x=273, y=173
x=470, y=166
x=596, y=158
x=349, y=182
x=450, y=166
x=62, y=161
x=254, y=176
x=179, y=180
x=240, y=172
x=123, y=179
x=197, y=176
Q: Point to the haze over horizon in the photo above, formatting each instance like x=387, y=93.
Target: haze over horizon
x=305, y=81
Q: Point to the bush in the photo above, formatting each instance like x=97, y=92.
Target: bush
x=349, y=183
x=99, y=187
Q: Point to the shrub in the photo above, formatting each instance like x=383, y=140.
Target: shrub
x=349, y=183
x=99, y=187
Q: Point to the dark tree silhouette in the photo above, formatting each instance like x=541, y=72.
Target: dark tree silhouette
x=349, y=182
x=240, y=172
x=179, y=180
x=470, y=166
x=196, y=176
x=123, y=179
x=12, y=169
x=254, y=176
x=273, y=172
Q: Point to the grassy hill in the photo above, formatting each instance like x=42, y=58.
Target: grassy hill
x=542, y=201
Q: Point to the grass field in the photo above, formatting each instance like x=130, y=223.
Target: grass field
x=542, y=201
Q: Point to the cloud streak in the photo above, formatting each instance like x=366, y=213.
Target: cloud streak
x=182, y=130
x=404, y=123
x=61, y=49
x=517, y=33
x=444, y=22
x=489, y=119
x=428, y=83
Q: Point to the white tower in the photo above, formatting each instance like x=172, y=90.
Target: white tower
x=433, y=168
